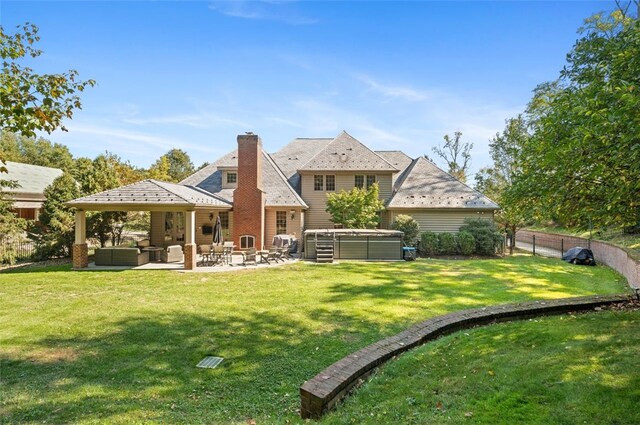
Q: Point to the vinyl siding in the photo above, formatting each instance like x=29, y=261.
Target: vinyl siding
x=316, y=217
x=441, y=220
x=293, y=226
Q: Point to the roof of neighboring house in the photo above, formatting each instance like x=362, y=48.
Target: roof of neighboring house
x=398, y=159
x=278, y=192
x=150, y=192
x=295, y=154
x=345, y=153
x=31, y=178
x=424, y=185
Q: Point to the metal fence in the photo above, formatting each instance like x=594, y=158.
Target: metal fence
x=20, y=250
x=548, y=246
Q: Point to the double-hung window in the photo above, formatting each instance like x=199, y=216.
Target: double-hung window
x=330, y=183
x=370, y=180
x=281, y=222
x=359, y=181
x=318, y=182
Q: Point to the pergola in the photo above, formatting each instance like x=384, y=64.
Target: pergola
x=147, y=195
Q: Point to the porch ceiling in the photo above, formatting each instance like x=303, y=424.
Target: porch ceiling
x=150, y=195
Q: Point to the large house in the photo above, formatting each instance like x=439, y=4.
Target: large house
x=28, y=195
x=258, y=195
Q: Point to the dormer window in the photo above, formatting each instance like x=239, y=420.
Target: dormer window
x=232, y=177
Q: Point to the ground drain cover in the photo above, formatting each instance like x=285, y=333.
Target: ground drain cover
x=210, y=362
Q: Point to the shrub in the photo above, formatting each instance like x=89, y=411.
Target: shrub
x=428, y=244
x=488, y=238
x=447, y=243
x=466, y=243
x=410, y=227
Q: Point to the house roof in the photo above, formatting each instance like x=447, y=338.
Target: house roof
x=148, y=193
x=424, y=185
x=278, y=192
x=32, y=178
x=345, y=153
x=295, y=154
x=398, y=159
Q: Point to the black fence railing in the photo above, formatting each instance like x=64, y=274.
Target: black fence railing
x=548, y=246
x=18, y=250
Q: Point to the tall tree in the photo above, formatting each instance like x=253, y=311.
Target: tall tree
x=180, y=165
x=581, y=164
x=40, y=151
x=456, y=154
x=31, y=102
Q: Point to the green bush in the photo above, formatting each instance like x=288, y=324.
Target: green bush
x=466, y=243
x=447, y=243
x=429, y=244
x=410, y=227
x=488, y=238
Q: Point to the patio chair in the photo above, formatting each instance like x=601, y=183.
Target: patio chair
x=207, y=255
x=172, y=254
x=274, y=254
x=219, y=256
x=250, y=256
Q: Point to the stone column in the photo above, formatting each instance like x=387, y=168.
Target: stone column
x=80, y=254
x=190, y=251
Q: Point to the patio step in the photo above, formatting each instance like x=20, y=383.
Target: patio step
x=324, y=254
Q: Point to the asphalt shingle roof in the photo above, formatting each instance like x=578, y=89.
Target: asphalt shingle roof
x=31, y=178
x=295, y=154
x=424, y=185
x=152, y=192
x=344, y=153
x=398, y=159
x=277, y=190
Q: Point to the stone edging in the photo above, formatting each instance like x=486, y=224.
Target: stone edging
x=321, y=393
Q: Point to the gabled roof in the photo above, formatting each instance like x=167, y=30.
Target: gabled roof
x=148, y=193
x=31, y=178
x=424, y=185
x=398, y=159
x=278, y=192
x=295, y=154
x=344, y=153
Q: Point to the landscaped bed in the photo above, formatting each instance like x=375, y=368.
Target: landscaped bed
x=122, y=346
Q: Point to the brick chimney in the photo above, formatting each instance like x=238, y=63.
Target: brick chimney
x=248, y=197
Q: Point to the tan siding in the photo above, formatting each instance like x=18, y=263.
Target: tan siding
x=157, y=228
x=441, y=220
x=316, y=217
x=293, y=226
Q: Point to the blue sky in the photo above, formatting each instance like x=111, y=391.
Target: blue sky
x=395, y=75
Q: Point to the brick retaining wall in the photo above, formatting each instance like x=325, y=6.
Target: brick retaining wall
x=320, y=393
x=613, y=256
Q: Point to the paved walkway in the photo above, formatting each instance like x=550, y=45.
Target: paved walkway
x=179, y=267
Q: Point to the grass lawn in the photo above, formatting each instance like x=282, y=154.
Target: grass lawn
x=553, y=370
x=121, y=347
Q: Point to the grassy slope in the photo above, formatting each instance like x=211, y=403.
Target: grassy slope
x=554, y=370
x=91, y=347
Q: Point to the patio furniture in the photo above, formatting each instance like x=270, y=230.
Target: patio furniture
x=263, y=256
x=172, y=254
x=206, y=255
x=117, y=256
x=154, y=252
x=219, y=254
x=143, y=243
x=274, y=254
x=234, y=256
x=250, y=256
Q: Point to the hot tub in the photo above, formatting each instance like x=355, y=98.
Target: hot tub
x=355, y=244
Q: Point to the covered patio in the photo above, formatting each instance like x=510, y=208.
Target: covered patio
x=156, y=197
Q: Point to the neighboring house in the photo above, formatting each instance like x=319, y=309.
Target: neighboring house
x=259, y=195
x=32, y=180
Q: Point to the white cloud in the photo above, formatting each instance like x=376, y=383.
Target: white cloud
x=204, y=120
x=281, y=11
x=394, y=91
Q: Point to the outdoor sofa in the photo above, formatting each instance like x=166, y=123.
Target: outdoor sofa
x=120, y=256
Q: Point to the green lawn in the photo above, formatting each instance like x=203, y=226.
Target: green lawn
x=567, y=369
x=121, y=347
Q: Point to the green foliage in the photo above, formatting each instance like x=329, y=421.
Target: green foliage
x=40, y=151
x=580, y=165
x=447, y=243
x=408, y=225
x=174, y=166
x=356, y=209
x=31, y=102
x=489, y=240
x=11, y=227
x=429, y=244
x=456, y=154
x=466, y=243
x=57, y=221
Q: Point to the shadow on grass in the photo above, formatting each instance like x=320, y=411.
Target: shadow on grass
x=144, y=369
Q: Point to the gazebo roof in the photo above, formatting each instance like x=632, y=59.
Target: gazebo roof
x=149, y=195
